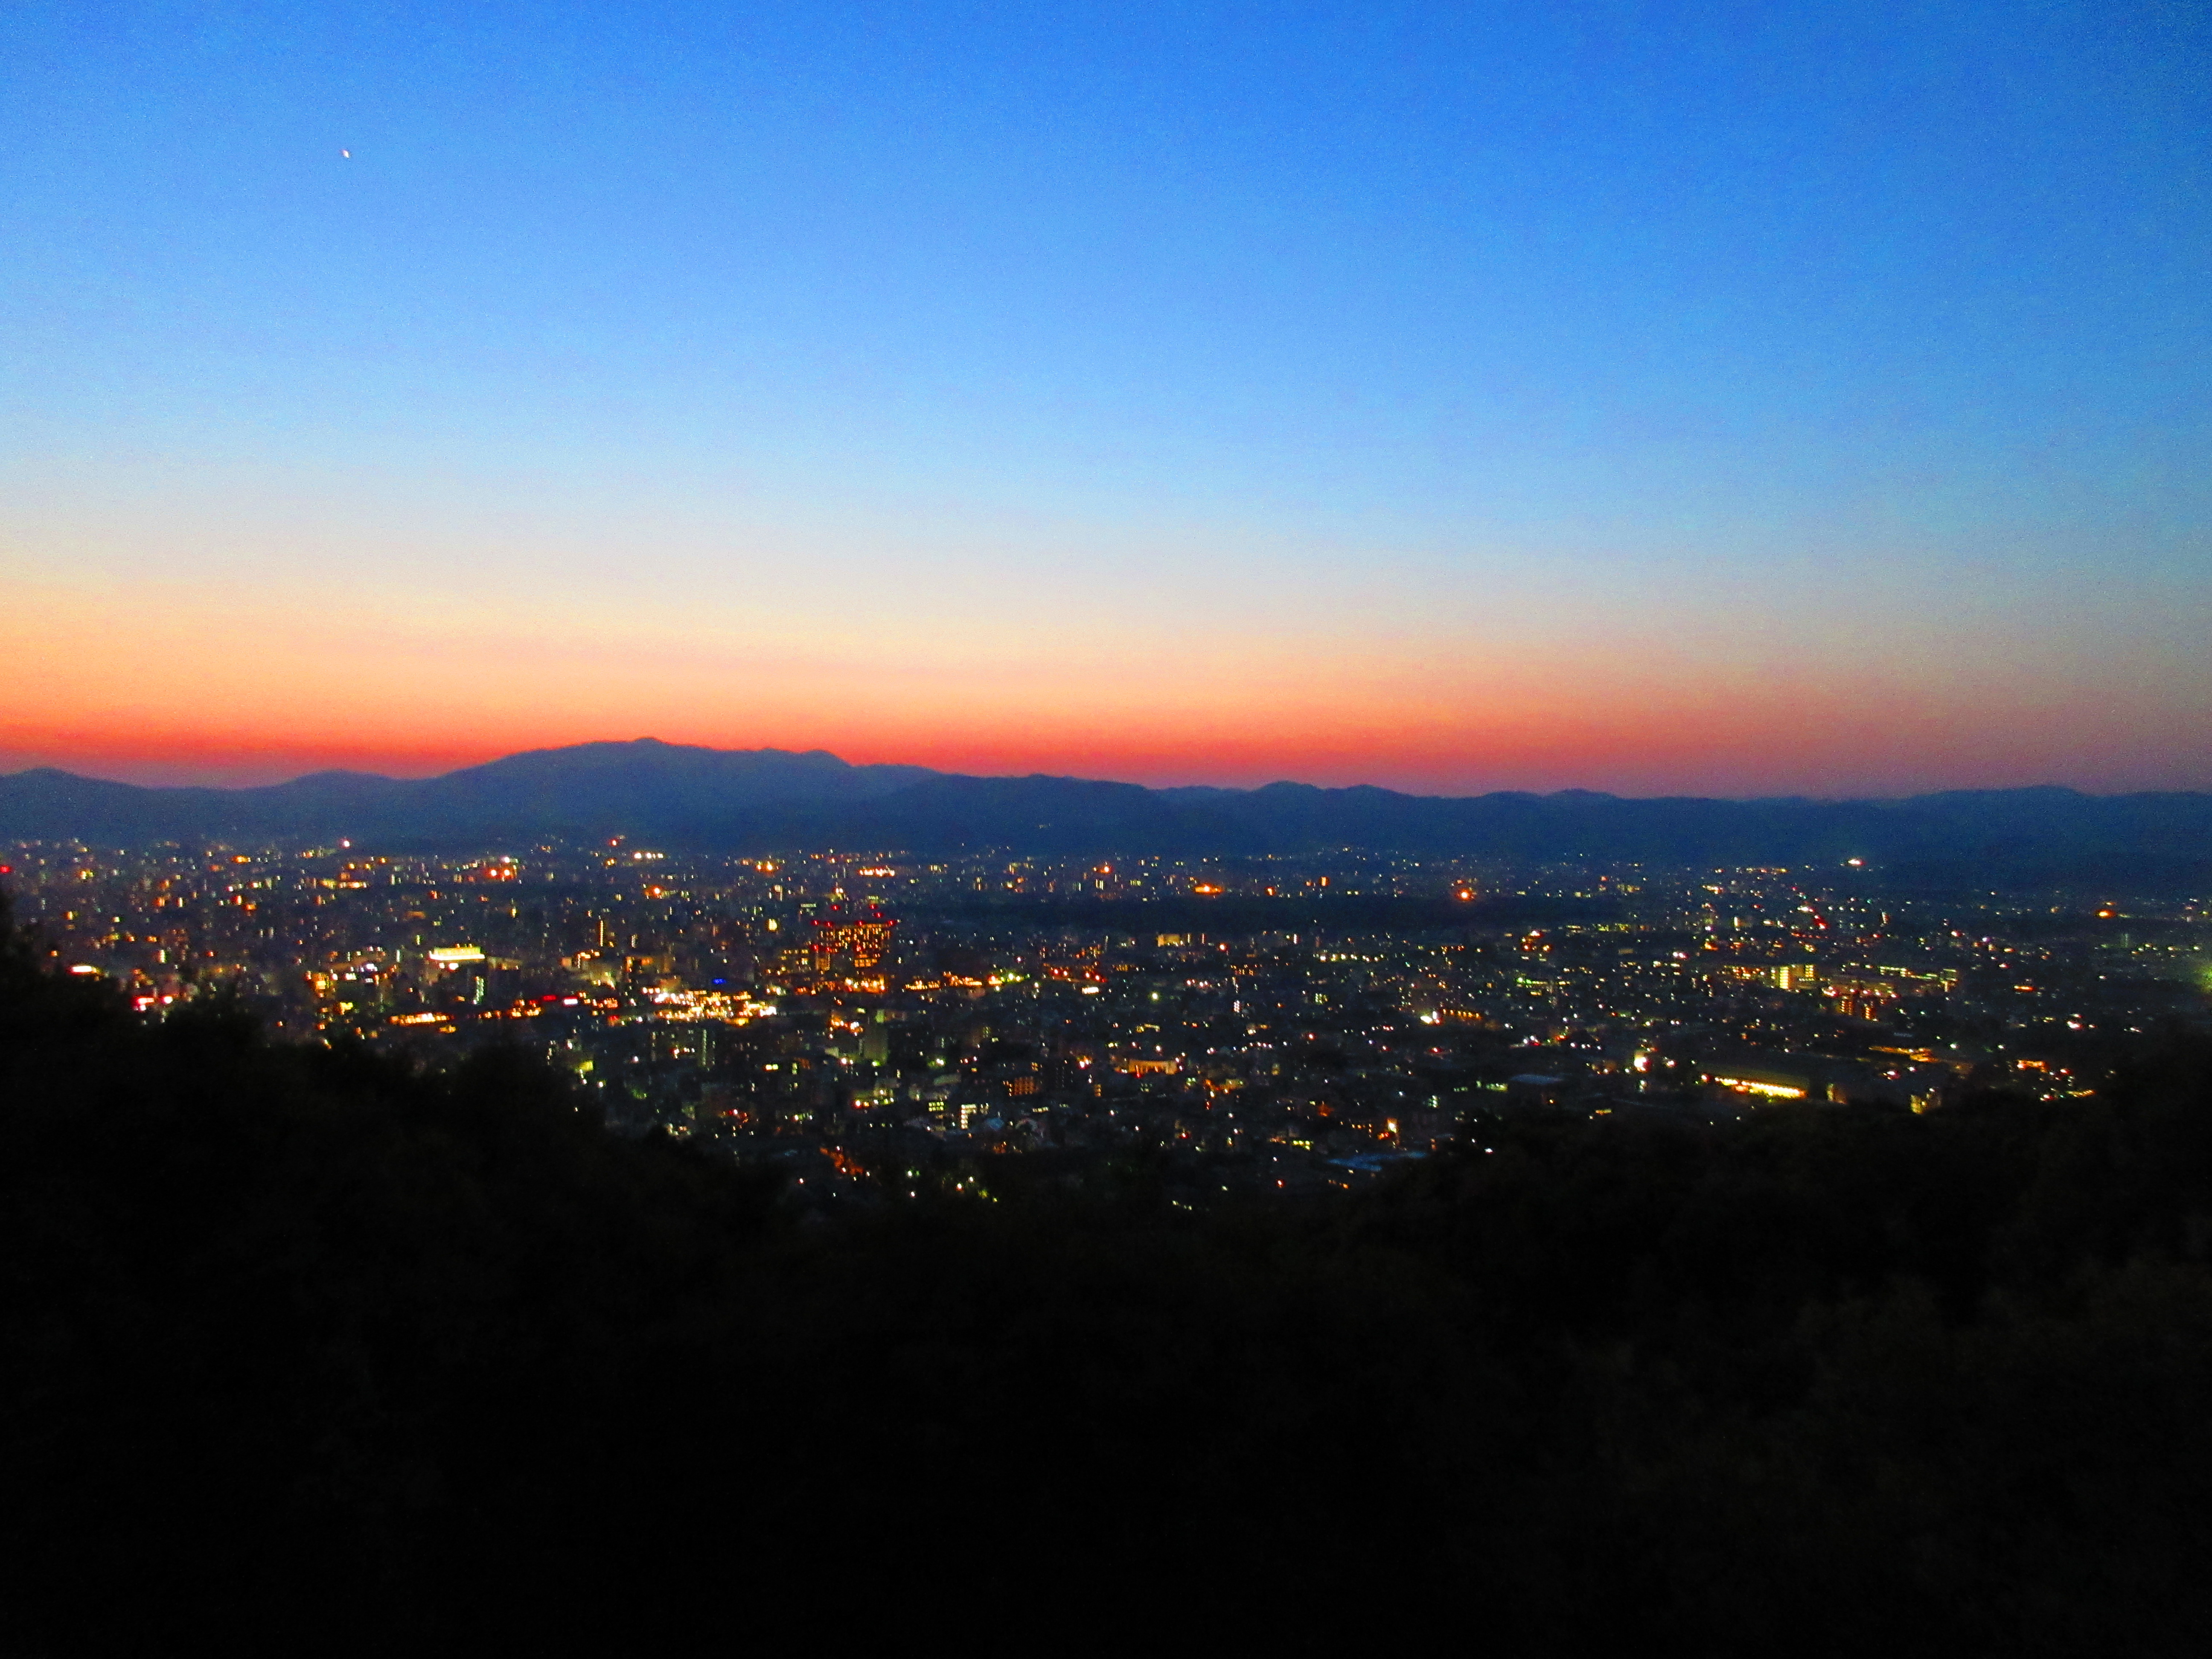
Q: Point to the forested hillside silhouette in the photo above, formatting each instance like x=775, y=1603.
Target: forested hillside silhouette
x=302, y=1350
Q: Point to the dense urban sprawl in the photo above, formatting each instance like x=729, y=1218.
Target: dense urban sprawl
x=875, y=1023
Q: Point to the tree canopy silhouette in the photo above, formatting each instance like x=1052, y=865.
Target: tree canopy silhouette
x=302, y=1348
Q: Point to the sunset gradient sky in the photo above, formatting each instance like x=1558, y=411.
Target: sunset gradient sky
x=1740, y=399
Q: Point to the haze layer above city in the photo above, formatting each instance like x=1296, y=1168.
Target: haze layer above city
x=1744, y=401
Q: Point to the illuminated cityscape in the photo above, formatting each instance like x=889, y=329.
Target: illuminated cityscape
x=870, y=1021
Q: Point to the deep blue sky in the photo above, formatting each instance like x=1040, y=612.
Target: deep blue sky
x=1858, y=350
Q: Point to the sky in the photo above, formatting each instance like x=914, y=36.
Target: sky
x=1738, y=399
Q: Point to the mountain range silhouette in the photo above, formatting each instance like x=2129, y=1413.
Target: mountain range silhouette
x=689, y=798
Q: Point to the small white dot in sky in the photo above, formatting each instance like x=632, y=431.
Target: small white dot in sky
x=347, y=154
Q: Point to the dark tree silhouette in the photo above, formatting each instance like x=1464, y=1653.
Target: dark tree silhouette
x=304, y=1350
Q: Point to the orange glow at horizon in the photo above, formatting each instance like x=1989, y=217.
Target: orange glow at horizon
x=179, y=685
x=1668, y=751
x=1008, y=397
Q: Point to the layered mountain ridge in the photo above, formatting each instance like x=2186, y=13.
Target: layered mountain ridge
x=768, y=799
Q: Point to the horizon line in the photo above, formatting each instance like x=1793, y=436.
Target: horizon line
x=239, y=788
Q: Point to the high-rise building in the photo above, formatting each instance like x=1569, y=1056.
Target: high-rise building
x=851, y=944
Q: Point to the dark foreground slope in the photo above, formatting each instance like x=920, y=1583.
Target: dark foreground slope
x=766, y=800
x=302, y=1352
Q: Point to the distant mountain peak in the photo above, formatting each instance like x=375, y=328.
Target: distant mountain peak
x=742, y=799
